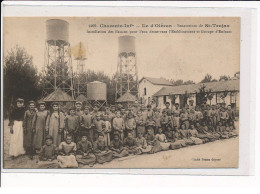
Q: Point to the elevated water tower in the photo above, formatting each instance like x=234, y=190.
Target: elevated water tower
x=127, y=79
x=80, y=77
x=57, y=63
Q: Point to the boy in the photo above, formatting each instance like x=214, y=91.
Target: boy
x=157, y=119
x=107, y=129
x=40, y=126
x=184, y=118
x=198, y=114
x=119, y=125
x=193, y=135
x=103, y=154
x=79, y=112
x=67, y=151
x=48, y=154
x=208, y=114
x=28, y=129
x=221, y=130
x=142, y=146
x=150, y=139
x=165, y=120
x=162, y=140
x=84, y=152
x=99, y=126
x=72, y=124
x=130, y=124
x=150, y=112
x=150, y=122
x=86, y=123
x=144, y=112
x=130, y=144
x=95, y=112
x=167, y=109
x=117, y=147
x=224, y=116
x=140, y=123
x=231, y=115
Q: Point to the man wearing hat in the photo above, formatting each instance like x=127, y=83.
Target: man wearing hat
x=28, y=129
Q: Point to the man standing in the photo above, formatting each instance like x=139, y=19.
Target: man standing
x=79, y=112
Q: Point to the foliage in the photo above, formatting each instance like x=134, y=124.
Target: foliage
x=208, y=78
x=203, y=95
x=20, y=77
x=224, y=78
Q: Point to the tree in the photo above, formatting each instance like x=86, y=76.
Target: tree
x=188, y=82
x=20, y=77
x=207, y=78
x=224, y=78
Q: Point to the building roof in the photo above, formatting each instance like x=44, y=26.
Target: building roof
x=58, y=96
x=220, y=86
x=82, y=98
x=127, y=97
x=157, y=81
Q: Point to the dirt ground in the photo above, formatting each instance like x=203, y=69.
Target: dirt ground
x=221, y=154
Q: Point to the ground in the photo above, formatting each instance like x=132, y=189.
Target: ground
x=221, y=153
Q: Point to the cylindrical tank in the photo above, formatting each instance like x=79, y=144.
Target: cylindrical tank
x=57, y=30
x=96, y=91
x=126, y=44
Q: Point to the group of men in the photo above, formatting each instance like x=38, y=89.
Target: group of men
x=86, y=135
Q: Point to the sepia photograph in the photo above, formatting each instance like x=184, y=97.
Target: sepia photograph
x=121, y=92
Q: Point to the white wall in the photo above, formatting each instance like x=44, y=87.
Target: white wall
x=213, y=101
x=151, y=89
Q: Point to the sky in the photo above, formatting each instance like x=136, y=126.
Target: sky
x=172, y=56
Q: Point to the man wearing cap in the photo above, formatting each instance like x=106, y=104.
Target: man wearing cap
x=28, y=129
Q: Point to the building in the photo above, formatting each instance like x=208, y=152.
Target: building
x=221, y=92
x=149, y=86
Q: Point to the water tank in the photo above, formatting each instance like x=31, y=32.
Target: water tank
x=57, y=30
x=126, y=44
x=96, y=91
